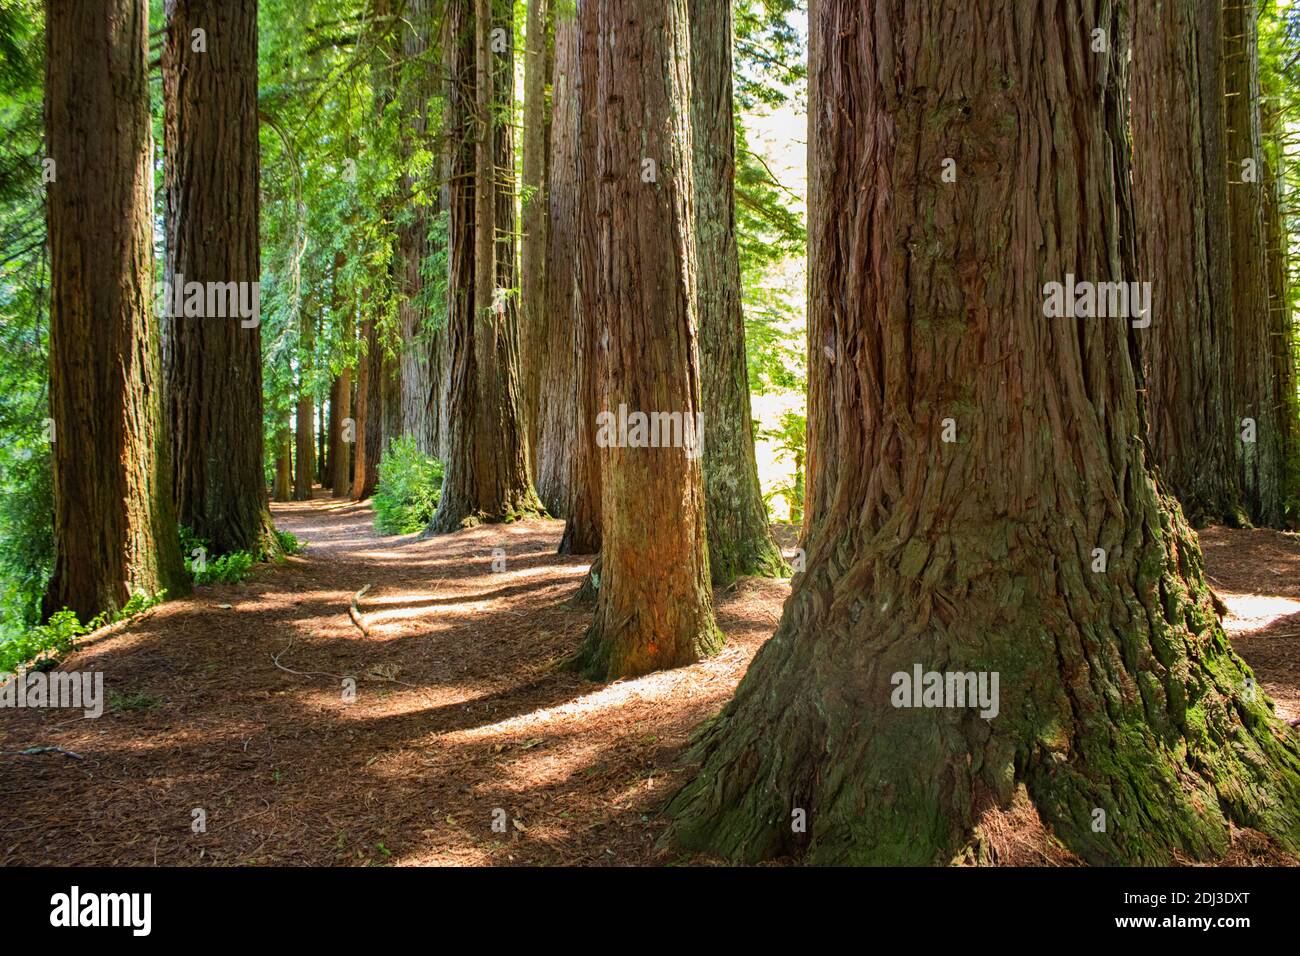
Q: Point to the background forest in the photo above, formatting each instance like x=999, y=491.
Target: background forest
x=353, y=251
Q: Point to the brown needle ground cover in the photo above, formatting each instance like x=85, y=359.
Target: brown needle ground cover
x=461, y=717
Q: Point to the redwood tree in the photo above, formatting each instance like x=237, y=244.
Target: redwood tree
x=1118, y=690
x=304, y=453
x=740, y=541
x=417, y=86
x=654, y=603
x=487, y=473
x=576, y=112
x=213, y=365
x=1180, y=195
x=1257, y=407
x=114, y=519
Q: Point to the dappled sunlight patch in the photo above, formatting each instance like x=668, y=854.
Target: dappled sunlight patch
x=1248, y=613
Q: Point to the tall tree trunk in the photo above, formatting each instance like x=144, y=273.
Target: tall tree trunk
x=1181, y=198
x=114, y=519
x=283, y=490
x=578, y=61
x=1282, y=320
x=740, y=541
x=1263, y=479
x=212, y=364
x=418, y=85
x=370, y=411
x=654, y=604
x=547, y=334
x=332, y=430
x=487, y=475
x=342, y=425
x=1117, y=689
x=322, y=440
x=550, y=351
x=304, y=462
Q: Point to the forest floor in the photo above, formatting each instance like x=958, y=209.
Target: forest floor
x=231, y=702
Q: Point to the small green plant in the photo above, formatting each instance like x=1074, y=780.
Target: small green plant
x=219, y=569
x=42, y=646
x=226, y=569
x=410, y=484
x=289, y=543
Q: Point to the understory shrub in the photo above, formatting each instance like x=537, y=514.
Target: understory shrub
x=410, y=484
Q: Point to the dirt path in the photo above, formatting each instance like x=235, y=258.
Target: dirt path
x=460, y=719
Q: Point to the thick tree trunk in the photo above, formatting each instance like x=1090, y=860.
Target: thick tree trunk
x=654, y=605
x=1181, y=198
x=213, y=364
x=1117, y=689
x=579, y=62
x=533, y=203
x=114, y=519
x=550, y=351
x=1281, y=324
x=1263, y=478
x=487, y=475
x=740, y=541
x=418, y=85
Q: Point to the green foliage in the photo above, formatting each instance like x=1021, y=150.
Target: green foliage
x=43, y=645
x=410, y=484
x=289, y=543
x=790, y=439
x=204, y=568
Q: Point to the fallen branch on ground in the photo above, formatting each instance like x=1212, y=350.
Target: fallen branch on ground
x=354, y=611
x=35, y=751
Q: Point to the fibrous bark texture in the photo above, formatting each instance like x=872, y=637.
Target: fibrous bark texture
x=114, y=518
x=1257, y=403
x=1180, y=195
x=740, y=541
x=487, y=473
x=1117, y=690
x=654, y=606
x=576, y=78
x=213, y=364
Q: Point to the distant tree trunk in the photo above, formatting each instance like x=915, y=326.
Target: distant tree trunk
x=417, y=87
x=654, y=606
x=1282, y=322
x=305, y=453
x=740, y=540
x=342, y=425
x=1181, y=198
x=370, y=411
x=283, y=490
x=550, y=352
x=322, y=440
x=547, y=334
x=1117, y=689
x=332, y=431
x=213, y=364
x=1255, y=411
x=487, y=475
x=576, y=104
x=114, y=519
